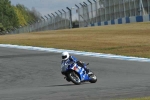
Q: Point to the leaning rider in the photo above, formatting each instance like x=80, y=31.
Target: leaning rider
x=66, y=57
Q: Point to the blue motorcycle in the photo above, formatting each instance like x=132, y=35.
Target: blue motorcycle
x=77, y=74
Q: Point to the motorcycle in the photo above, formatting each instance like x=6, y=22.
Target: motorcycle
x=77, y=74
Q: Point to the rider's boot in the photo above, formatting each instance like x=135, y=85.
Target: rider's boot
x=88, y=71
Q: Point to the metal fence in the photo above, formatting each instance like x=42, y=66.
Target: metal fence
x=89, y=13
x=49, y=22
x=105, y=10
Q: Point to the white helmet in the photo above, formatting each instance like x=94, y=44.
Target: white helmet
x=65, y=55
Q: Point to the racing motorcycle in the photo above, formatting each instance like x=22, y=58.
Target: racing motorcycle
x=77, y=74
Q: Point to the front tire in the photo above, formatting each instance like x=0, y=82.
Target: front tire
x=74, y=78
x=93, y=78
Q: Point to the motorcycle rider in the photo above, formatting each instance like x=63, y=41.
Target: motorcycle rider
x=66, y=56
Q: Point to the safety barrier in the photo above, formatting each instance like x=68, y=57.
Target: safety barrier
x=125, y=20
x=109, y=12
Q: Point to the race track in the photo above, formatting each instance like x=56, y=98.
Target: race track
x=35, y=75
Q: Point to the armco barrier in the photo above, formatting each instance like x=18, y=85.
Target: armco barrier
x=125, y=20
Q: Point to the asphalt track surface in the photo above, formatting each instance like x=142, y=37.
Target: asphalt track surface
x=35, y=75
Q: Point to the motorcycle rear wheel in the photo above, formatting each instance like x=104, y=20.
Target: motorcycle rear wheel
x=74, y=78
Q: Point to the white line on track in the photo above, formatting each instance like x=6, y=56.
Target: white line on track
x=91, y=54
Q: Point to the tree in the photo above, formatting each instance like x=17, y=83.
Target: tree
x=29, y=15
x=1, y=27
x=13, y=16
x=8, y=16
x=20, y=16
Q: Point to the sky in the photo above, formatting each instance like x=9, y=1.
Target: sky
x=51, y=6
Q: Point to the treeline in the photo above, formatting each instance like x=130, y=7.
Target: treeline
x=15, y=16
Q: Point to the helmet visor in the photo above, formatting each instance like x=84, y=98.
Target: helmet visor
x=64, y=57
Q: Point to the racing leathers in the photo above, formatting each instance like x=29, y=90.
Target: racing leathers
x=79, y=63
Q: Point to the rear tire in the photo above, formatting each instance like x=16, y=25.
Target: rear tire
x=74, y=78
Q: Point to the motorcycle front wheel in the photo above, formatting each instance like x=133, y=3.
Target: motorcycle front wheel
x=74, y=78
x=93, y=78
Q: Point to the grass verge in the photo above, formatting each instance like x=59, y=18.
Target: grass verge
x=128, y=39
x=144, y=98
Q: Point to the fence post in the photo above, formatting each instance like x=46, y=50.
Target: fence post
x=43, y=23
x=57, y=20
x=54, y=21
x=65, y=18
x=88, y=18
x=46, y=23
x=70, y=16
x=78, y=14
x=91, y=11
x=82, y=14
x=142, y=8
x=51, y=22
x=61, y=24
x=96, y=10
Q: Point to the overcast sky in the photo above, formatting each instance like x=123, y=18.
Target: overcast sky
x=50, y=6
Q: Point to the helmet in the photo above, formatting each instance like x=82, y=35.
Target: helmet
x=65, y=55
